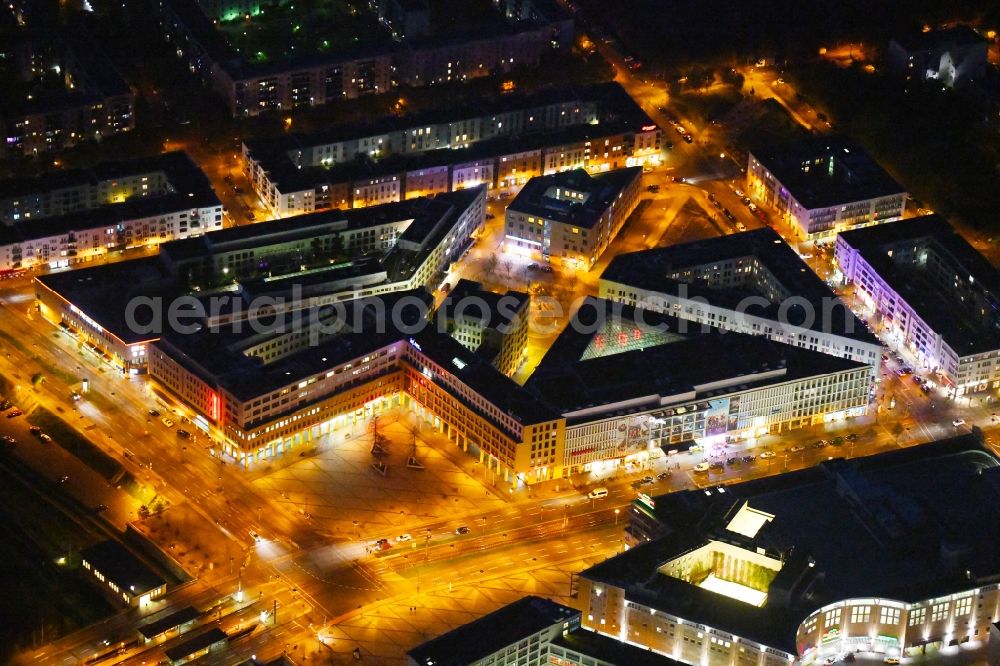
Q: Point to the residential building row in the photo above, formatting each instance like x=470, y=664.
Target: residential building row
x=95, y=100
x=251, y=88
x=502, y=145
x=932, y=293
x=75, y=216
x=881, y=556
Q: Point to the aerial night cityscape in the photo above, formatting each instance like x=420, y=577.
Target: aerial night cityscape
x=499, y=332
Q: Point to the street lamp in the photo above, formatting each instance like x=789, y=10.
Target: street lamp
x=617, y=511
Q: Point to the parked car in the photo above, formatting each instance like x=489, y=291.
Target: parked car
x=255, y=536
x=35, y=430
x=688, y=139
x=462, y=530
x=662, y=475
x=403, y=538
x=14, y=412
x=819, y=444
x=716, y=465
x=797, y=448
x=381, y=544
x=184, y=434
x=45, y=438
x=766, y=454
x=9, y=441
x=647, y=480
x=167, y=422
x=733, y=461
x=155, y=414
x=701, y=467
x=958, y=423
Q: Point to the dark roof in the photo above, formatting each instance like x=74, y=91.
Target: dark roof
x=854, y=176
x=480, y=638
x=649, y=269
x=960, y=35
x=192, y=645
x=600, y=191
x=964, y=306
x=103, y=292
x=121, y=567
x=169, y=622
x=217, y=355
x=690, y=357
x=610, y=650
x=471, y=291
x=904, y=525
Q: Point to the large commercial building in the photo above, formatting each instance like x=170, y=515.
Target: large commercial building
x=93, y=102
x=886, y=556
x=821, y=186
x=241, y=273
x=933, y=294
x=571, y=215
x=501, y=144
x=75, y=216
x=251, y=87
x=628, y=382
x=529, y=632
x=751, y=283
x=952, y=57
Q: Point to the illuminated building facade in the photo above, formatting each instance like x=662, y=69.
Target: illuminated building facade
x=823, y=186
x=308, y=263
x=882, y=555
x=531, y=631
x=597, y=128
x=752, y=283
x=495, y=326
x=933, y=293
x=75, y=216
x=571, y=215
x=630, y=383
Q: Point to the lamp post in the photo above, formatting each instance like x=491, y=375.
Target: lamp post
x=617, y=511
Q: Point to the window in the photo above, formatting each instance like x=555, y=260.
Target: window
x=889, y=615
x=831, y=619
x=860, y=613
x=939, y=611
x=963, y=606
x=811, y=624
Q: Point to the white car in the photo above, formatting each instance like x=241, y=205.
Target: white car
x=797, y=448
x=958, y=423
x=701, y=467
x=403, y=538
x=766, y=454
x=255, y=536
x=167, y=422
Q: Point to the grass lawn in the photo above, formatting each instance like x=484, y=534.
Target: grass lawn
x=303, y=28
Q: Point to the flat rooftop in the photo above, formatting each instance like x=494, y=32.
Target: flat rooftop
x=651, y=270
x=821, y=172
x=189, y=189
x=662, y=359
x=969, y=324
x=121, y=567
x=573, y=197
x=481, y=638
x=164, y=624
x=905, y=525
